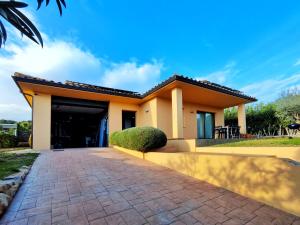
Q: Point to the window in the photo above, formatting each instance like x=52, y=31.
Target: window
x=205, y=125
x=128, y=119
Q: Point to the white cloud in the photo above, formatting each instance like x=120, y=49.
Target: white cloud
x=221, y=76
x=133, y=76
x=269, y=90
x=60, y=60
x=57, y=60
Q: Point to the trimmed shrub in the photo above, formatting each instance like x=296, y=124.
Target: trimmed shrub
x=8, y=140
x=142, y=139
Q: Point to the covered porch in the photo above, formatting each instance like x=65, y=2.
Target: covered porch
x=210, y=124
x=190, y=109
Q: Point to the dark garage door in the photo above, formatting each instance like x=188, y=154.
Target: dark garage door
x=77, y=123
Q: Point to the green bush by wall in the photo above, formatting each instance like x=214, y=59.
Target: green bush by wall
x=7, y=141
x=139, y=138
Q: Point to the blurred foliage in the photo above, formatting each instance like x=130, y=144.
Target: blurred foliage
x=8, y=140
x=24, y=130
x=272, y=118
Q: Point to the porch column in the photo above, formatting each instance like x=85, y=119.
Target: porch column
x=41, y=122
x=177, y=114
x=242, y=118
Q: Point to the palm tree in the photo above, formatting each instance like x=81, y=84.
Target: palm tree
x=9, y=11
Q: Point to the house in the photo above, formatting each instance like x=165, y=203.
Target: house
x=10, y=128
x=72, y=114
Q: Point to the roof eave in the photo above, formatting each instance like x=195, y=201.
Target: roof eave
x=196, y=83
x=61, y=85
x=19, y=77
x=20, y=89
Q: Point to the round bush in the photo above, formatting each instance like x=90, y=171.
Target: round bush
x=142, y=139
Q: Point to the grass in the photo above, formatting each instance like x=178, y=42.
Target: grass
x=13, y=149
x=11, y=163
x=264, y=142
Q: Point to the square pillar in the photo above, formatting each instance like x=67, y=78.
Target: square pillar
x=41, y=122
x=242, y=118
x=219, y=118
x=177, y=113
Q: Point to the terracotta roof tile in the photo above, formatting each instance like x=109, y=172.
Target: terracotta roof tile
x=120, y=92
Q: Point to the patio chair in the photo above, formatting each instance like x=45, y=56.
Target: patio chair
x=235, y=132
x=218, y=131
x=222, y=132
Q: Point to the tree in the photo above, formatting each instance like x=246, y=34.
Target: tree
x=288, y=108
x=231, y=116
x=261, y=119
x=4, y=121
x=9, y=10
x=24, y=130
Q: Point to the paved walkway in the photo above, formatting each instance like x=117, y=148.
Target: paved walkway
x=104, y=186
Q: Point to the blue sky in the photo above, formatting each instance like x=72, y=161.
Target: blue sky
x=253, y=46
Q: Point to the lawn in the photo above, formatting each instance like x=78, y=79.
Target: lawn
x=11, y=162
x=263, y=142
x=13, y=149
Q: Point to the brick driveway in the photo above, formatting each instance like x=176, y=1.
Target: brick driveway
x=104, y=186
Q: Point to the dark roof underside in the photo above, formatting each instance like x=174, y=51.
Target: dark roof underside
x=18, y=77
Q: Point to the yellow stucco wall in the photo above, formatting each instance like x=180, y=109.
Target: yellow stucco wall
x=190, y=118
x=148, y=113
x=266, y=179
x=280, y=152
x=41, y=116
x=182, y=145
x=130, y=152
x=263, y=178
x=164, y=118
x=219, y=117
x=242, y=118
x=115, y=115
x=156, y=112
x=177, y=113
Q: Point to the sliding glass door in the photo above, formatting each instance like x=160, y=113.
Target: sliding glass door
x=205, y=125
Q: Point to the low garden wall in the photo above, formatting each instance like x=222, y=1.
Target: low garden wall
x=130, y=152
x=264, y=178
x=182, y=145
x=280, y=152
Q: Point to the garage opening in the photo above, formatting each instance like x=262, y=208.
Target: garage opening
x=77, y=123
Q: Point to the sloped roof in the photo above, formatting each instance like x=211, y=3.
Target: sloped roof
x=201, y=83
x=19, y=77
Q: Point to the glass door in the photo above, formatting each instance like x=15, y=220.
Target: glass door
x=201, y=125
x=205, y=125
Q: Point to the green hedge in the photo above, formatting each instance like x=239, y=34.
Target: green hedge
x=8, y=141
x=139, y=138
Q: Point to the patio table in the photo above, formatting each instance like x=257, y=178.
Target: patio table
x=229, y=131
